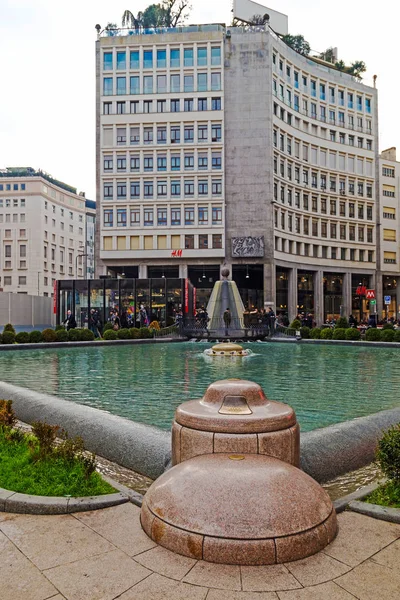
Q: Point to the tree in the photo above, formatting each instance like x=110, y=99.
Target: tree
x=298, y=43
x=112, y=29
x=356, y=68
x=328, y=55
x=168, y=13
x=259, y=19
x=175, y=11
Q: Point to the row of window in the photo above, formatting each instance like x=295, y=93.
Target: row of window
x=388, y=172
x=320, y=228
x=22, y=279
x=164, y=135
x=15, y=203
x=352, y=254
x=161, y=84
x=325, y=92
x=202, y=241
x=161, y=106
x=320, y=181
x=163, y=216
x=14, y=186
x=147, y=189
x=15, y=218
x=320, y=205
x=161, y=58
x=160, y=162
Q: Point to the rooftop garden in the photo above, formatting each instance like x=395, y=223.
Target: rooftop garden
x=29, y=172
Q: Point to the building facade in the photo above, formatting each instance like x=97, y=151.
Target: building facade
x=89, y=261
x=224, y=147
x=42, y=232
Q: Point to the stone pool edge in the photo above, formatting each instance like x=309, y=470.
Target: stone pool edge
x=47, y=345
x=325, y=453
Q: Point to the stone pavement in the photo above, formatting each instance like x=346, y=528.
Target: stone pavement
x=104, y=555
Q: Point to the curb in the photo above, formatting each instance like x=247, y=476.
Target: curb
x=342, y=503
x=383, y=513
x=47, y=345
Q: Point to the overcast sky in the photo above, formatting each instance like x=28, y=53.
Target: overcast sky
x=47, y=74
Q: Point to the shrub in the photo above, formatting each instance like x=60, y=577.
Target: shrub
x=8, y=337
x=388, y=453
x=315, y=334
x=373, y=335
x=134, y=333
x=295, y=324
x=387, y=335
x=145, y=333
x=107, y=327
x=35, y=337
x=9, y=327
x=110, y=334
x=46, y=436
x=22, y=337
x=60, y=328
x=342, y=323
x=397, y=336
x=7, y=414
x=326, y=333
x=123, y=334
x=74, y=335
x=86, y=335
x=49, y=336
x=339, y=333
x=388, y=326
x=70, y=448
x=305, y=332
x=353, y=334
x=62, y=335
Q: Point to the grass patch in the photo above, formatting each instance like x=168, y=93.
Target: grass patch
x=51, y=476
x=386, y=495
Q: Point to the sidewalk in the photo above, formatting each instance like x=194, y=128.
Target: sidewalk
x=104, y=555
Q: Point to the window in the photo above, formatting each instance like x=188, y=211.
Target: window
x=361, y=256
x=7, y=280
x=174, y=58
x=202, y=104
x=217, y=240
x=108, y=163
x=216, y=160
x=216, y=187
x=217, y=215
x=203, y=241
x=161, y=163
x=107, y=61
x=135, y=217
x=148, y=217
x=22, y=233
x=189, y=133
x=121, y=108
x=135, y=163
x=175, y=216
x=188, y=57
x=368, y=105
x=148, y=163
x=161, y=216
x=107, y=86
x=148, y=84
x=313, y=88
x=189, y=242
x=148, y=59
x=121, y=217
x=121, y=60
x=175, y=83
x=203, y=215
x=161, y=189
x=108, y=217
x=121, y=136
x=369, y=144
x=203, y=162
x=121, y=164
x=202, y=133
x=215, y=81
x=134, y=104
x=215, y=55
x=107, y=108
x=175, y=134
x=175, y=188
x=203, y=187
x=161, y=135
x=189, y=188
x=161, y=84
x=189, y=216
x=215, y=103
x=161, y=59
x=121, y=86
x=189, y=161
x=108, y=190
x=388, y=172
x=188, y=105
x=134, y=59
x=135, y=189
x=216, y=132
x=175, y=105
x=369, y=235
x=201, y=57
x=188, y=83
x=350, y=100
x=148, y=135
x=201, y=82
x=175, y=163
x=148, y=189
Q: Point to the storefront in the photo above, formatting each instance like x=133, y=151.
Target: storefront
x=161, y=297
x=390, y=295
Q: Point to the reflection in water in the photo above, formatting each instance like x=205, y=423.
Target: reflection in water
x=324, y=384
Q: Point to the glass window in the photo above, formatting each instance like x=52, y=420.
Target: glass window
x=135, y=217
x=175, y=134
x=148, y=189
x=189, y=188
x=161, y=135
x=107, y=86
x=201, y=82
x=203, y=241
x=188, y=57
x=203, y=215
x=148, y=84
x=202, y=133
x=175, y=216
x=161, y=163
x=161, y=59
x=216, y=132
x=121, y=217
x=107, y=61
x=148, y=59
x=175, y=84
x=215, y=81
x=134, y=59
x=175, y=188
x=189, y=215
x=121, y=60
x=121, y=86
x=121, y=190
x=201, y=57
x=135, y=189
x=148, y=217
x=189, y=242
x=134, y=135
x=217, y=240
x=203, y=188
x=175, y=105
x=217, y=215
x=175, y=59
x=216, y=187
x=108, y=216
x=161, y=84
x=188, y=83
x=161, y=216
x=202, y=104
x=368, y=105
x=216, y=55
x=189, y=133
x=189, y=161
x=216, y=160
x=175, y=163
x=135, y=85
x=108, y=190
x=203, y=162
x=148, y=163
x=215, y=103
x=121, y=163
x=188, y=104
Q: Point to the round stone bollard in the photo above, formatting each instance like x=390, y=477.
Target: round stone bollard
x=235, y=416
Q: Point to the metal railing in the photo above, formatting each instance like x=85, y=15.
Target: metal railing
x=173, y=331
x=242, y=327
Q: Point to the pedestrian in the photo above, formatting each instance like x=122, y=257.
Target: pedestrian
x=94, y=323
x=143, y=316
x=116, y=321
x=227, y=320
x=70, y=322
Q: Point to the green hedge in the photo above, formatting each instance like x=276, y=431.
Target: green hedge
x=339, y=333
x=353, y=334
x=305, y=332
x=315, y=334
x=326, y=333
x=387, y=335
x=373, y=335
x=35, y=337
x=397, y=336
x=110, y=334
x=9, y=328
x=123, y=334
x=295, y=324
x=8, y=337
x=134, y=333
x=86, y=335
x=49, y=336
x=22, y=337
x=341, y=323
x=62, y=335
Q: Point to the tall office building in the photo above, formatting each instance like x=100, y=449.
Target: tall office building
x=224, y=147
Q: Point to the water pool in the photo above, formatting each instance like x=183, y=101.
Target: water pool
x=324, y=384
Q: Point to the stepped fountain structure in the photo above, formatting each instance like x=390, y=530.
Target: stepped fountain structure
x=225, y=295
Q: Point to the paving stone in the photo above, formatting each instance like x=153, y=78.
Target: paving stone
x=102, y=577
x=317, y=569
x=268, y=579
x=121, y=526
x=228, y=595
x=49, y=541
x=19, y=578
x=371, y=581
x=226, y=577
x=360, y=537
x=390, y=556
x=163, y=561
x=157, y=587
x=324, y=591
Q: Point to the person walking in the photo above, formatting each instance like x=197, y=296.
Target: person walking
x=70, y=322
x=94, y=323
x=227, y=320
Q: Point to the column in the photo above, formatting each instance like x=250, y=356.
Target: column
x=183, y=271
x=347, y=295
x=292, y=294
x=142, y=271
x=269, y=285
x=377, y=285
x=398, y=297
x=319, y=297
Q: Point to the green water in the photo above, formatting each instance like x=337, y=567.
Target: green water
x=324, y=384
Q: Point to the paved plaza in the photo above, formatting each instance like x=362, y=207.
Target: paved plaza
x=105, y=555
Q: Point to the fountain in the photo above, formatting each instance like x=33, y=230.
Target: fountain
x=227, y=349
x=225, y=295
